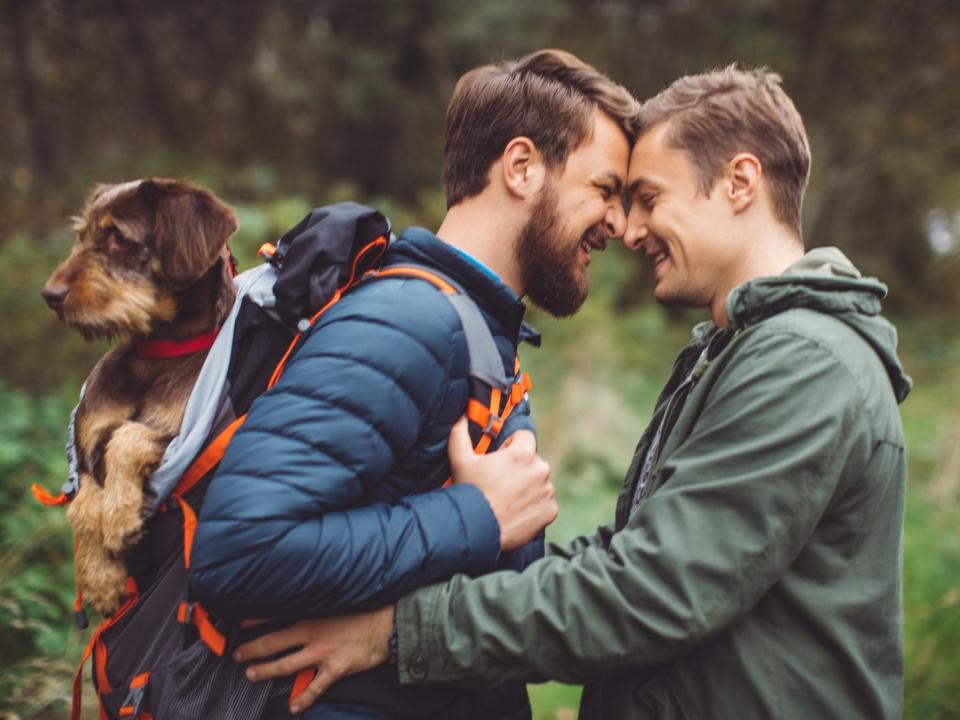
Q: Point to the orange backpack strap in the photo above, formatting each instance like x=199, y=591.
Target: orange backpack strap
x=192, y=613
x=301, y=681
x=485, y=361
x=96, y=648
x=44, y=497
x=77, y=695
x=208, y=459
x=410, y=271
x=491, y=418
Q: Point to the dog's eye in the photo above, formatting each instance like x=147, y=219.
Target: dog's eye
x=118, y=241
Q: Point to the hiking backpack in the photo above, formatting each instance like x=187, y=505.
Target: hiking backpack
x=153, y=654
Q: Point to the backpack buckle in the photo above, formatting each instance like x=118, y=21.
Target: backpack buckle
x=494, y=426
x=185, y=612
x=133, y=703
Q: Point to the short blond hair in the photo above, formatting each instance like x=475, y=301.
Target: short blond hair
x=715, y=115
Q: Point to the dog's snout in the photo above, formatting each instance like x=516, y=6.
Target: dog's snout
x=55, y=294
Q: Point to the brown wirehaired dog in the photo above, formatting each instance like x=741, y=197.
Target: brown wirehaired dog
x=150, y=263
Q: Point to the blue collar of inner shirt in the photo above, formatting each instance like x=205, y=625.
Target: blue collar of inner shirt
x=476, y=262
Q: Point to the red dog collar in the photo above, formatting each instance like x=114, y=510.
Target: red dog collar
x=159, y=349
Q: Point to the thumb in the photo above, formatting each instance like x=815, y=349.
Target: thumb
x=459, y=446
x=523, y=441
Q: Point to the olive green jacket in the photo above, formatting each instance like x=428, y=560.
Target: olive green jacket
x=760, y=576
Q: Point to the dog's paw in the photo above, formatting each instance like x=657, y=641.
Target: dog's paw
x=121, y=531
x=85, y=512
x=102, y=578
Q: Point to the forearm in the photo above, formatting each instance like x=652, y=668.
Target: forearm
x=348, y=560
x=566, y=620
x=600, y=539
x=636, y=604
x=743, y=495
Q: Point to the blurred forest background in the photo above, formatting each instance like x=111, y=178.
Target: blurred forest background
x=280, y=106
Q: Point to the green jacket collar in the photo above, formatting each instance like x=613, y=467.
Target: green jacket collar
x=825, y=281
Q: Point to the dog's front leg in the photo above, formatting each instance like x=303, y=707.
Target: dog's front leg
x=101, y=574
x=133, y=453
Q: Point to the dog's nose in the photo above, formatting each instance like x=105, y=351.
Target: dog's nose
x=55, y=294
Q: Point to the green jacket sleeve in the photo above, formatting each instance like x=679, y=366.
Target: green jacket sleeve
x=601, y=538
x=780, y=429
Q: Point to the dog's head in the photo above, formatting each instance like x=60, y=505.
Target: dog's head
x=139, y=245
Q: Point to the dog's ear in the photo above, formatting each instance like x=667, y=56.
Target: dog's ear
x=191, y=226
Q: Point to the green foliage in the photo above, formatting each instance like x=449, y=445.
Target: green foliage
x=931, y=590
x=282, y=106
x=931, y=565
x=37, y=645
x=36, y=350
x=272, y=100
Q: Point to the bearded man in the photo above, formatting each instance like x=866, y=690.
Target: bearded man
x=328, y=500
x=752, y=569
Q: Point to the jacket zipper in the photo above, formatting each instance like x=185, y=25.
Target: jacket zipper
x=674, y=406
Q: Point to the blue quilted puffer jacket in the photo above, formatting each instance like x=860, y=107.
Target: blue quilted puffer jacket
x=328, y=497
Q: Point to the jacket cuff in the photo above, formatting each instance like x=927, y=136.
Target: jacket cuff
x=416, y=623
x=481, y=529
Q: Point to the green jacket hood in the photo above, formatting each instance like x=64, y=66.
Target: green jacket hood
x=826, y=281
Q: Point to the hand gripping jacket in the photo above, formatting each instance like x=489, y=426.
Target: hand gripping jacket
x=159, y=626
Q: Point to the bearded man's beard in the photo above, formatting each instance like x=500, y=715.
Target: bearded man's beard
x=549, y=261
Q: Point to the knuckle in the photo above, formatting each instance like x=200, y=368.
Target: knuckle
x=320, y=683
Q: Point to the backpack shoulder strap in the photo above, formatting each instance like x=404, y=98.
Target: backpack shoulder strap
x=485, y=362
x=486, y=366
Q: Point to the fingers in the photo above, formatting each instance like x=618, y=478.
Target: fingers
x=271, y=643
x=287, y=665
x=459, y=448
x=253, y=623
x=528, y=503
x=324, y=678
x=542, y=468
x=553, y=508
